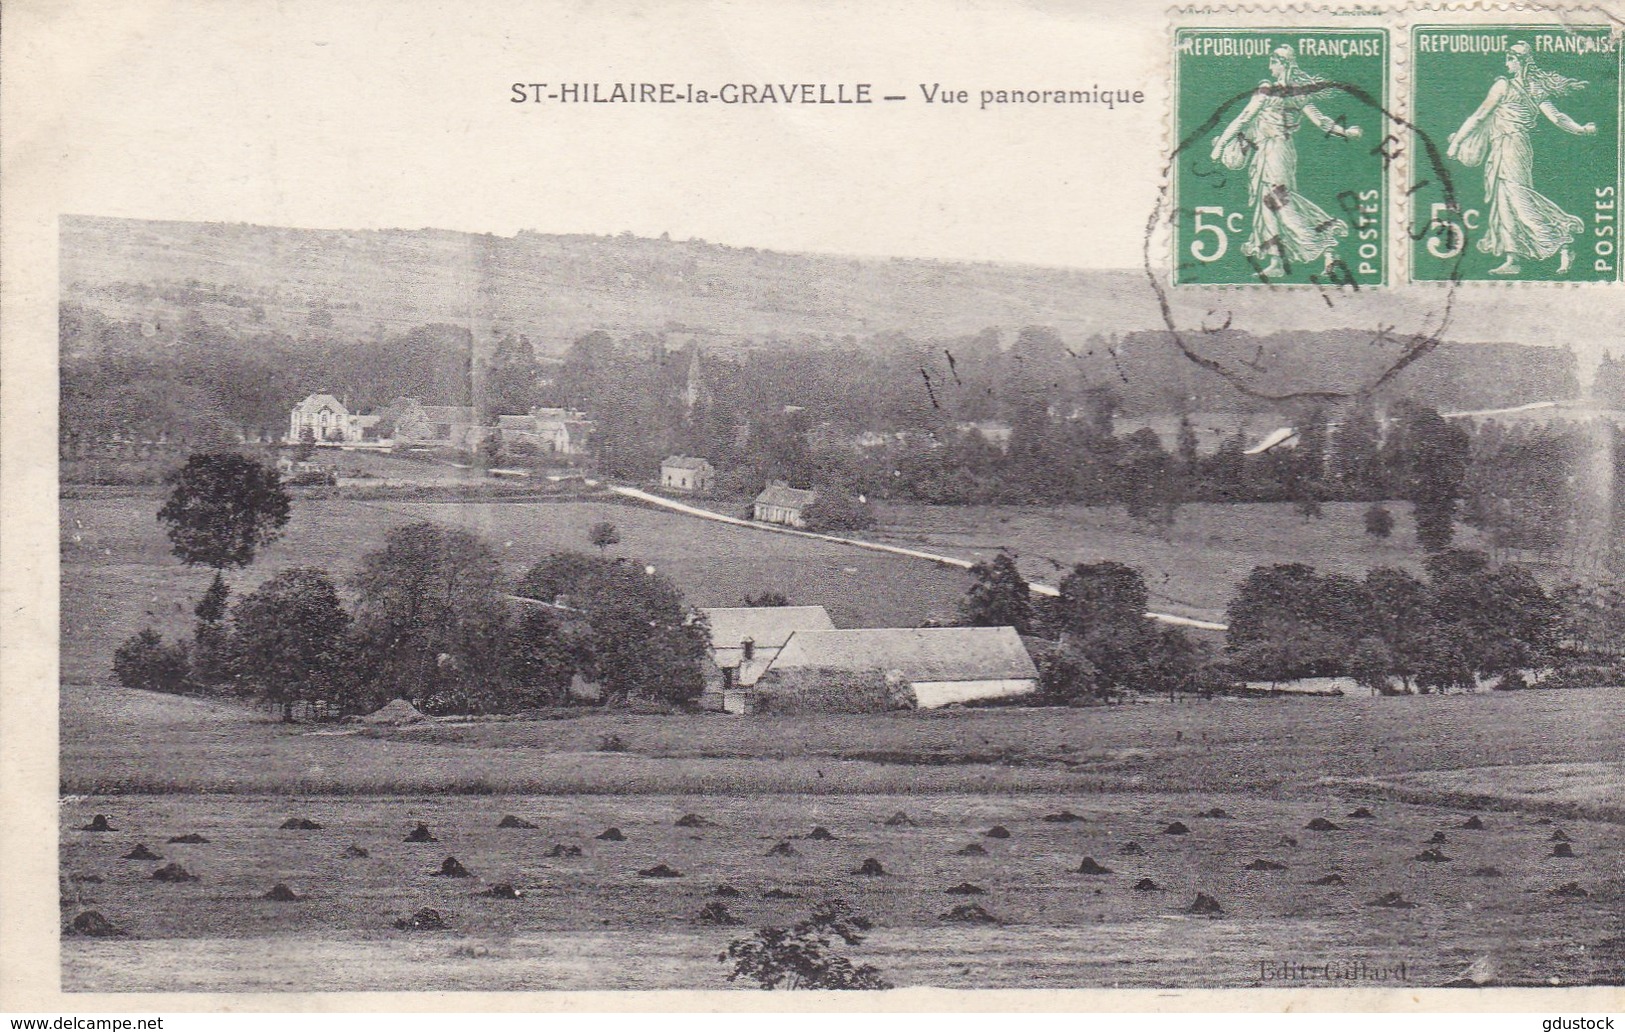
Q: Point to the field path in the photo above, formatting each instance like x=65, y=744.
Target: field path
x=872, y=546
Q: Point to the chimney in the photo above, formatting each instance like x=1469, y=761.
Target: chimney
x=747, y=649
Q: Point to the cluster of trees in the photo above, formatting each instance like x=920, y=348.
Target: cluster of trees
x=1101, y=643
x=432, y=620
x=1467, y=621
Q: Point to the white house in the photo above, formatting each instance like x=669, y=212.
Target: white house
x=781, y=503
x=328, y=419
x=744, y=641
x=942, y=665
x=685, y=473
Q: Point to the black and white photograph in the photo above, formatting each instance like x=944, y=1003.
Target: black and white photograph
x=555, y=498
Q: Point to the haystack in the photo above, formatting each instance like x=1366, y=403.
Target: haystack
x=426, y=920
x=1217, y=813
x=1204, y=904
x=966, y=889
x=420, y=833
x=1473, y=823
x=173, y=873
x=610, y=835
x=1265, y=865
x=141, y=852
x=821, y=834
x=692, y=820
x=356, y=852
x=190, y=839
x=1131, y=849
x=974, y=849
x=717, y=913
x=98, y=823
x=300, y=824
x=451, y=868
x=1089, y=866
x=783, y=849
x=1147, y=885
x=280, y=893
x=1432, y=856
x=1176, y=828
x=780, y=894
x=900, y=820
x=726, y=890
x=1329, y=879
x=970, y=913
x=660, y=871
x=561, y=850
x=1362, y=814
x=1563, y=851
x=998, y=831
x=510, y=821
x=395, y=713
x=1322, y=824
x=92, y=923
x=1393, y=901
x=502, y=890
x=870, y=867
x=1064, y=817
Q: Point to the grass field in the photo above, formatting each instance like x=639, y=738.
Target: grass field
x=160, y=766
x=118, y=575
x=1192, y=570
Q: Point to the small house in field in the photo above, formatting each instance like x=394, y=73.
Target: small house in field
x=940, y=665
x=684, y=473
x=325, y=419
x=780, y=503
x=744, y=641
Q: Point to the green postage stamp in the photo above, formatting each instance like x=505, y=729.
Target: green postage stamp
x=1517, y=152
x=1282, y=156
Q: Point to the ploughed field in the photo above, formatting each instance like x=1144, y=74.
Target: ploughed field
x=594, y=922
x=1525, y=766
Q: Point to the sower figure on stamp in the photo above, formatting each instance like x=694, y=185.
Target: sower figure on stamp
x=1286, y=225
x=1521, y=221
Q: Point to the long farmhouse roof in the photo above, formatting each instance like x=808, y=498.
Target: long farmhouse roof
x=786, y=497
x=919, y=654
x=769, y=627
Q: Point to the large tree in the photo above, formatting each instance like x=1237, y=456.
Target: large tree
x=429, y=610
x=637, y=637
x=999, y=597
x=1101, y=613
x=222, y=507
x=290, y=639
x=1435, y=454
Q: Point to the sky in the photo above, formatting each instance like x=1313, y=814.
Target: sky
x=373, y=115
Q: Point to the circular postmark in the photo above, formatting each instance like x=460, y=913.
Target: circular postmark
x=1321, y=266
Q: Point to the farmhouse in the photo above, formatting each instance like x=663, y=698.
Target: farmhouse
x=328, y=419
x=781, y=503
x=941, y=665
x=416, y=423
x=744, y=640
x=682, y=473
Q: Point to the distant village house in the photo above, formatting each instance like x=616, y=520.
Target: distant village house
x=684, y=473
x=780, y=503
x=327, y=419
